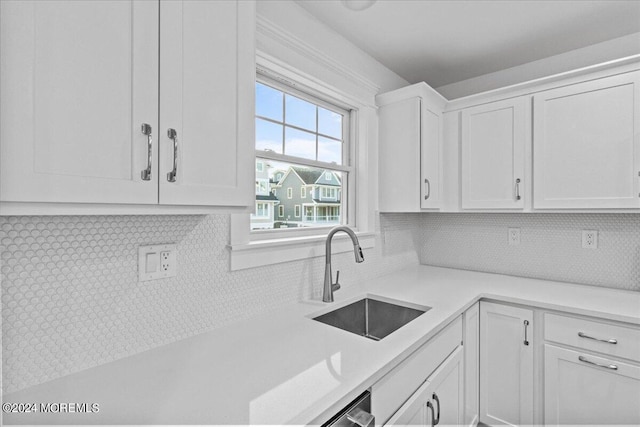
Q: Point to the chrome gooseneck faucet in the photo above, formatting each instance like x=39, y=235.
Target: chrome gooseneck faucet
x=329, y=286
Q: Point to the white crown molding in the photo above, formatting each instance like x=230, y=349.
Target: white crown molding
x=268, y=29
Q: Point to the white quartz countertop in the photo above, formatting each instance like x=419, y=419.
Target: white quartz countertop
x=282, y=367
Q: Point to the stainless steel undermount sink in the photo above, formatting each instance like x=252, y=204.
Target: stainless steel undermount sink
x=371, y=318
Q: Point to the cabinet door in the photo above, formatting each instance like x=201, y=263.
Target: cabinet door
x=493, y=153
x=430, y=156
x=576, y=391
x=586, y=145
x=446, y=391
x=399, y=180
x=438, y=400
x=207, y=80
x=472, y=365
x=78, y=80
x=506, y=365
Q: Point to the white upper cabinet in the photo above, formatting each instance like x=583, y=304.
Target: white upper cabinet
x=78, y=80
x=493, y=143
x=410, y=153
x=586, y=145
x=207, y=77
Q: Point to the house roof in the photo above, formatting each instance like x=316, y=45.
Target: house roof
x=308, y=176
x=266, y=198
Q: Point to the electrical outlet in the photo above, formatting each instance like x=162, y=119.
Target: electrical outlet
x=590, y=239
x=156, y=261
x=514, y=236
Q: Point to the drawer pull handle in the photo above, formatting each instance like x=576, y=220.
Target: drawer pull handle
x=526, y=341
x=611, y=341
x=610, y=366
x=518, y=189
x=433, y=417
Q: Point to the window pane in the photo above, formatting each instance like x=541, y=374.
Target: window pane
x=268, y=102
x=268, y=136
x=329, y=150
x=329, y=123
x=300, y=113
x=299, y=144
x=321, y=208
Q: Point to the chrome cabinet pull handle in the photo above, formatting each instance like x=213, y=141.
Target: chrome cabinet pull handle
x=435, y=397
x=526, y=341
x=171, y=176
x=518, y=189
x=610, y=366
x=146, y=130
x=433, y=418
x=611, y=341
x=428, y=188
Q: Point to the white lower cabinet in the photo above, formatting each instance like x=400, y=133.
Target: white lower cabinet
x=597, y=380
x=471, y=339
x=506, y=365
x=438, y=361
x=584, y=388
x=439, y=400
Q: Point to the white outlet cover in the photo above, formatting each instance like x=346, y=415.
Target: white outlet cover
x=150, y=261
x=590, y=239
x=514, y=236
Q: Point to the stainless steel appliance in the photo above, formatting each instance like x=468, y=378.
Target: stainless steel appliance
x=357, y=413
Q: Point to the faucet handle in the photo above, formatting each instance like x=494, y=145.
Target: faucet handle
x=336, y=286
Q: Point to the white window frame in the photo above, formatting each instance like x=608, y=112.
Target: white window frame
x=266, y=210
x=289, y=193
x=296, y=211
x=303, y=192
x=259, y=166
x=253, y=249
x=281, y=211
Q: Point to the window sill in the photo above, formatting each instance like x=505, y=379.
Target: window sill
x=267, y=252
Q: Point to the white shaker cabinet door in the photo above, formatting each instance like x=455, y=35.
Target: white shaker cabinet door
x=586, y=145
x=78, y=80
x=582, y=388
x=493, y=155
x=506, y=365
x=207, y=80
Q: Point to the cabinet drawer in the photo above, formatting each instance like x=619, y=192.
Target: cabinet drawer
x=388, y=394
x=593, y=335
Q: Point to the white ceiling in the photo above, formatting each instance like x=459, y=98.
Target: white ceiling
x=444, y=42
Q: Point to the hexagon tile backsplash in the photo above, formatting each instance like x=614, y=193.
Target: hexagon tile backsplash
x=71, y=298
x=550, y=246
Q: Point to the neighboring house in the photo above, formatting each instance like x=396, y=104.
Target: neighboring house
x=266, y=201
x=308, y=197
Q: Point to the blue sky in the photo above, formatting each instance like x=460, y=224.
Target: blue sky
x=302, y=114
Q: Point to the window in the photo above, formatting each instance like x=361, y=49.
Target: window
x=281, y=211
x=262, y=210
x=303, y=141
x=262, y=187
x=328, y=193
x=259, y=166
